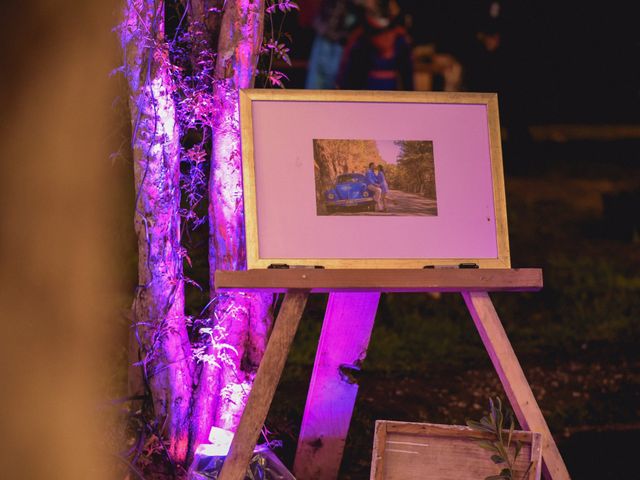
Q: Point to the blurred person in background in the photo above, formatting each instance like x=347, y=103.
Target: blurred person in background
x=332, y=24
x=378, y=53
x=485, y=62
x=499, y=62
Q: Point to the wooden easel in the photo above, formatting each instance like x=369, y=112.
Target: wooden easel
x=353, y=299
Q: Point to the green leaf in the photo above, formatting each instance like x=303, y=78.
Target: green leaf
x=497, y=459
x=518, y=448
x=486, y=445
x=499, y=418
x=473, y=424
x=492, y=411
x=512, y=427
x=526, y=472
x=479, y=426
x=488, y=423
x=501, y=450
x=506, y=473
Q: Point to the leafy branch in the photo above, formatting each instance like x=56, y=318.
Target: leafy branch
x=272, y=46
x=282, y=5
x=499, y=446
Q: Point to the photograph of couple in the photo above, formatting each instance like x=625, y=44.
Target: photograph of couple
x=374, y=177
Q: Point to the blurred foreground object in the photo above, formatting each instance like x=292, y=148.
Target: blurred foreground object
x=431, y=65
x=56, y=209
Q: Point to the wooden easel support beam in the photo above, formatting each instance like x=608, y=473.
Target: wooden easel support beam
x=385, y=280
x=343, y=344
x=264, y=386
x=513, y=380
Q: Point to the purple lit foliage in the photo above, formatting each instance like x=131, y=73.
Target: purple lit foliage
x=195, y=76
x=235, y=68
x=272, y=46
x=158, y=308
x=184, y=108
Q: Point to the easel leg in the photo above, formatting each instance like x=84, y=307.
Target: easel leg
x=332, y=392
x=264, y=386
x=515, y=384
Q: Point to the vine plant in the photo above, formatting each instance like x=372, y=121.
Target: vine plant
x=500, y=446
x=193, y=63
x=188, y=55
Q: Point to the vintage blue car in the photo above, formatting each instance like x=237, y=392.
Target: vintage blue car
x=349, y=193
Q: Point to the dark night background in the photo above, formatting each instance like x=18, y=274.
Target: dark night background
x=563, y=62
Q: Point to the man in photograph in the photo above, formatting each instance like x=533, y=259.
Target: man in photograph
x=374, y=187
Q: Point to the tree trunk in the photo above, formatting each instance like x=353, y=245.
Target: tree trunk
x=242, y=320
x=204, y=20
x=158, y=309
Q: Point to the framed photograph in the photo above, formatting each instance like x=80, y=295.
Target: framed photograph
x=345, y=179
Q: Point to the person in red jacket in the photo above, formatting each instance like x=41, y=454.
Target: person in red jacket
x=378, y=54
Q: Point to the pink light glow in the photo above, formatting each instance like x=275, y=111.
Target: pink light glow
x=158, y=308
x=220, y=441
x=230, y=353
x=343, y=341
x=242, y=320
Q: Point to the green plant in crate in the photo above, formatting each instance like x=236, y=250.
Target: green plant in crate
x=500, y=425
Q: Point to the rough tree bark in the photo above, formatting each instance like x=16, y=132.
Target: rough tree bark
x=158, y=308
x=243, y=320
x=187, y=401
x=204, y=19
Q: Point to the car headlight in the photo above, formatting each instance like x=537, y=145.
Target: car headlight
x=365, y=194
x=331, y=196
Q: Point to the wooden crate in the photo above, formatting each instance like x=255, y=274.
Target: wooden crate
x=424, y=451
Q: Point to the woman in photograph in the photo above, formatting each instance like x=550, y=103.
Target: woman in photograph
x=384, y=186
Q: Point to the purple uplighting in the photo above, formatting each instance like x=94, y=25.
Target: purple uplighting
x=178, y=86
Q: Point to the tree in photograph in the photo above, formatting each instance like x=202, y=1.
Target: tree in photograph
x=415, y=172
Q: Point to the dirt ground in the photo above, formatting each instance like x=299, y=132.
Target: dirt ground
x=401, y=203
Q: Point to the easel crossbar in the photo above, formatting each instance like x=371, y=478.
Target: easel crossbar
x=381, y=280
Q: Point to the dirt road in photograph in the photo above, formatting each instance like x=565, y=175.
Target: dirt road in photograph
x=402, y=203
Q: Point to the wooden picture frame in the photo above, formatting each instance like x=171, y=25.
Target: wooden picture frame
x=453, y=212
x=426, y=451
